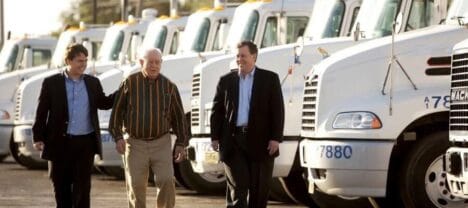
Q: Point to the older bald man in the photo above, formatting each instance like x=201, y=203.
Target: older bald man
x=147, y=106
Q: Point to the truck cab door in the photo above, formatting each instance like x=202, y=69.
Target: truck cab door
x=135, y=43
x=26, y=58
x=221, y=33
x=351, y=15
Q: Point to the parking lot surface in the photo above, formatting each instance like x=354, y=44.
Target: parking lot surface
x=21, y=187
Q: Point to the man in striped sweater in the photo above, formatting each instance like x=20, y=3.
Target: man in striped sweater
x=147, y=106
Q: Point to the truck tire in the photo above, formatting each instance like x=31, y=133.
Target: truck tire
x=31, y=163
x=114, y=171
x=14, y=151
x=422, y=180
x=178, y=175
x=278, y=193
x=3, y=157
x=297, y=184
x=207, y=183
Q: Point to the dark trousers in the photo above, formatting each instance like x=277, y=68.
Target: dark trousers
x=248, y=181
x=71, y=174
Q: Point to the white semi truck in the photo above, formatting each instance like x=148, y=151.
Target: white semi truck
x=375, y=117
x=263, y=20
x=373, y=21
x=120, y=43
x=165, y=33
x=26, y=52
x=205, y=22
x=456, y=159
x=10, y=80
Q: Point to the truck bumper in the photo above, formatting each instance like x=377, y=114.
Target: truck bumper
x=346, y=167
x=458, y=182
x=110, y=155
x=204, y=159
x=23, y=136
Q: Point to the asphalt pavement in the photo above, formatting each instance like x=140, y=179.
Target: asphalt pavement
x=20, y=187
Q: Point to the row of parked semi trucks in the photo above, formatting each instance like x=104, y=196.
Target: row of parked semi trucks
x=367, y=112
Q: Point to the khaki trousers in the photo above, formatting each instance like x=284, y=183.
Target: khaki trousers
x=140, y=155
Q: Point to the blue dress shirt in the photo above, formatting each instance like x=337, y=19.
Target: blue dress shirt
x=79, y=122
x=245, y=93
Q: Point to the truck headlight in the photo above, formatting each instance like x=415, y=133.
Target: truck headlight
x=356, y=120
x=4, y=115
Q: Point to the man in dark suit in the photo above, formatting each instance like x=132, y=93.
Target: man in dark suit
x=247, y=124
x=66, y=128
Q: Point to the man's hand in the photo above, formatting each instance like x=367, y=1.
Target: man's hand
x=39, y=146
x=120, y=146
x=179, y=153
x=215, y=145
x=273, y=146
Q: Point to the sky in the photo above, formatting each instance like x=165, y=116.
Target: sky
x=33, y=16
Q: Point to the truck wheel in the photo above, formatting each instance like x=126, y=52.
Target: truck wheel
x=114, y=171
x=423, y=180
x=207, y=183
x=178, y=175
x=277, y=191
x=3, y=157
x=297, y=184
x=31, y=163
x=183, y=165
x=14, y=151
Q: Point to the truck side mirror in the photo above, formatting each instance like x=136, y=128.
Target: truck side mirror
x=357, y=32
x=298, y=49
x=122, y=58
x=398, y=22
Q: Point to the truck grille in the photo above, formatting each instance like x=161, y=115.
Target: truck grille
x=18, y=105
x=195, y=117
x=196, y=85
x=195, y=112
x=309, y=104
x=459, y=89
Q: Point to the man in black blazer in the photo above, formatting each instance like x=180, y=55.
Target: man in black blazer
x=247, y=124
x=66, y=128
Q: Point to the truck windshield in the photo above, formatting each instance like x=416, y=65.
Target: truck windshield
x=242, y=29
x=201, y=36
x=458, y=12
x=111, y=46
x=64, y=41
x=156, y=37
x=327, y=18
x=376, y=17
x=8, y=57
x=422, y=14
x=195, y=30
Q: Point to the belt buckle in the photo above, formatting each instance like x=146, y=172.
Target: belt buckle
x=243, y=129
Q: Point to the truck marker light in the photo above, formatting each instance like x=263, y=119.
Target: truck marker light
x=375, y=124
x=5, y=115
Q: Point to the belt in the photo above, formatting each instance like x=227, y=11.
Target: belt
x=241, y=129
x=80, y=136
x=151, y=138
